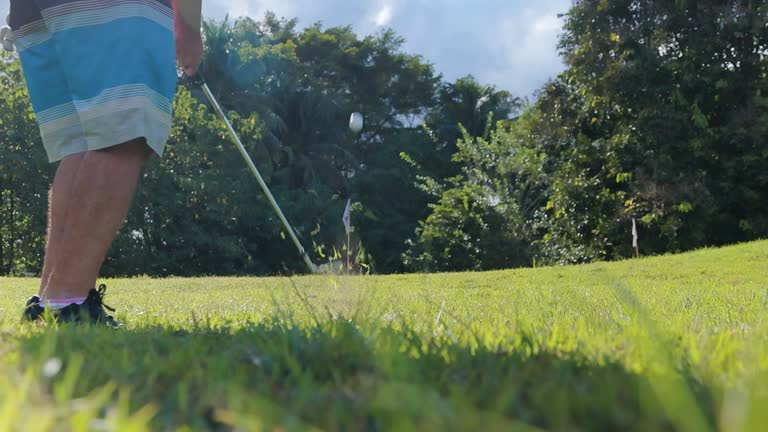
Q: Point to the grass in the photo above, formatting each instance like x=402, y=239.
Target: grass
x=667, y=343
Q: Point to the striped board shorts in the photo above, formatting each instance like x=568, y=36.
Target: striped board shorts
x=99, y=72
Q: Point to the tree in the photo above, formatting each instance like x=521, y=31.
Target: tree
x=660, y=104
x=660, y=116
x=482, y=218
x=303, y=86
x=466, y=105
x=25, y=176
x=673, y=96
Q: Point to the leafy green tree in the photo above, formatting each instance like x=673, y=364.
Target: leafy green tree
x=464, y=105
x=25, y=176
x=659, y=117
x=671, y=94
x=481, y=220
x=303, y=87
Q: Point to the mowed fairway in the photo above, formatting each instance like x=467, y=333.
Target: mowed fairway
x=668, y=343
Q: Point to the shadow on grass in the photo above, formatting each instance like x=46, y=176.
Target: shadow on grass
x=335, y=376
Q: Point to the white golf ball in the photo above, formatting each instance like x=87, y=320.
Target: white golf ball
x=356, y=122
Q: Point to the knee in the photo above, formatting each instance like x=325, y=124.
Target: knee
x=134, y=149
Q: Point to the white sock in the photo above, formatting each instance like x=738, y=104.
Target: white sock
x=55, y=304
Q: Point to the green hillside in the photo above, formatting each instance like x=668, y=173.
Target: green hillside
x=666, y=343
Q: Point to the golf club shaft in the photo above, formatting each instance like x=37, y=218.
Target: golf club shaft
x=255, y=171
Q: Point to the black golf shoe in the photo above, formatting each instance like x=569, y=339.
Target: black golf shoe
x=92, y=311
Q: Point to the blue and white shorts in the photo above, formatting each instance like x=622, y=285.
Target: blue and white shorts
x=99, y=72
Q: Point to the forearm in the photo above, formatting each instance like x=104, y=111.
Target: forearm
x=189, y=13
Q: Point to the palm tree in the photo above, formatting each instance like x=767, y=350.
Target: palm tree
x=470, y=104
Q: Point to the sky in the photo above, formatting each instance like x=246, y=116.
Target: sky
x=511, y=44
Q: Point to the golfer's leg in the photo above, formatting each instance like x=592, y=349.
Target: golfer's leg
x=89, y=200
x=57, y=211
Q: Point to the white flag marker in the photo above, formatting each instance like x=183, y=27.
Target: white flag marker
x=634, y=233
x=347, y=215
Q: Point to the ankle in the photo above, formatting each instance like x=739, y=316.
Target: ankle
x=61, y=303
x=66, y=285
x=63, y=293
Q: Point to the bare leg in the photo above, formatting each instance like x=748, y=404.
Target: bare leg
x=89, y=200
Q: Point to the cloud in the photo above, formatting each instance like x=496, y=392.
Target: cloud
x=530, y=58
x=547, y=24
x=384, y=14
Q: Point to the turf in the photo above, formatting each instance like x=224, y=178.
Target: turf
x=667, y=343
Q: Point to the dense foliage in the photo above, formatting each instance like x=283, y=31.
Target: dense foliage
x=660, y=116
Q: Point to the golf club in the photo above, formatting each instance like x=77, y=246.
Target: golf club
x=255, y=171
